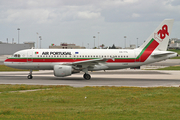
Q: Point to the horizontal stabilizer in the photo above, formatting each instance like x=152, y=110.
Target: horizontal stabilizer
x=161, y=53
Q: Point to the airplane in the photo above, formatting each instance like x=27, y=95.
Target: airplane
x=65, y=62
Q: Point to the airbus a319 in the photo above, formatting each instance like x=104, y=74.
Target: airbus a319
x=65, y=62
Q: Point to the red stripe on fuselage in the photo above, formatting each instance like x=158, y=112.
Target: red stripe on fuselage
x=45, y=60
x=63, y=60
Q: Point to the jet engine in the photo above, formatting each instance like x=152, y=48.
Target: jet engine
x=62, y=70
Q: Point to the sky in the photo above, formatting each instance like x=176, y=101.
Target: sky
x=77, y=21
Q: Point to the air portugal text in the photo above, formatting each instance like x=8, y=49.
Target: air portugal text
x=56, y=53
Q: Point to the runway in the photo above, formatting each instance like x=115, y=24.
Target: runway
x=126, y=77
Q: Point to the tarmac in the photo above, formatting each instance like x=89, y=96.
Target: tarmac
x=130, y=78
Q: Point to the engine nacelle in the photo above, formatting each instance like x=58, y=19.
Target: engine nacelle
x=62, y=70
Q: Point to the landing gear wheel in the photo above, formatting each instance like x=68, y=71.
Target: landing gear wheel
x=87, y=76
x=29, y=76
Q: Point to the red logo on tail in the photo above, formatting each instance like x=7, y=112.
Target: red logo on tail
x=161, y=34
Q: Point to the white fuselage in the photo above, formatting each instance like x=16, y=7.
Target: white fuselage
x=45, y=59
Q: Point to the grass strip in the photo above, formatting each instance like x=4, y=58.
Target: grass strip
x=4, y=68
x=7, y=88
x=63, y=102
x=169, y=68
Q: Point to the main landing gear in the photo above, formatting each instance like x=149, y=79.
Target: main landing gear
x=87, y=76
x=30, y=75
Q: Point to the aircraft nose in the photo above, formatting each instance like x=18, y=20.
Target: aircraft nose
x=7, y=63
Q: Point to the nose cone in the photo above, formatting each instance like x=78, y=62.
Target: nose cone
x=7, y=62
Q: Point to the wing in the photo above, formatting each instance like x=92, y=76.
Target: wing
x=88, y=63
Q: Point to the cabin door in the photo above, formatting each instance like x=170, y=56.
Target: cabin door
x=29, y=56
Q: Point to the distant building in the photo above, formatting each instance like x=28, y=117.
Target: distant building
x=132, y=46
x=9, y=49
x=66, y=46
x=174, y=43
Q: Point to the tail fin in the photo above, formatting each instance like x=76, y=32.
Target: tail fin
x=160, y=37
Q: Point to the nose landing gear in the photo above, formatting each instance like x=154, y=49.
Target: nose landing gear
x=30, y=75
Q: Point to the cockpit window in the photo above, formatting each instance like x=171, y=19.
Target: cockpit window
x=17, y=55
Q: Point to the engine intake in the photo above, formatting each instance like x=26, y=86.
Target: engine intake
x=62, y=70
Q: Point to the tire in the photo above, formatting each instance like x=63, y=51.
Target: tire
x=29, y=76
x=87, y=76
